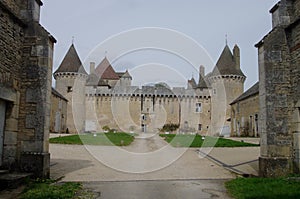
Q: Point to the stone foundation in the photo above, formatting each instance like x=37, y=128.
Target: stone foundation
x=36, y=163
x=274, y=167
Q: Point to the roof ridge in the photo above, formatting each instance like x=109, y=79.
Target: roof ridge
x=106, y=71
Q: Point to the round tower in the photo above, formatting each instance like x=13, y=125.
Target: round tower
x=227, y=83
x=71, y=79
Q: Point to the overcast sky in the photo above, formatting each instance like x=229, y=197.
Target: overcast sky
x=205, y=21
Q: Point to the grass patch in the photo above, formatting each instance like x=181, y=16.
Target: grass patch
x=264, y=188
x=102, y=139
x=197, y=141
x=42, y=189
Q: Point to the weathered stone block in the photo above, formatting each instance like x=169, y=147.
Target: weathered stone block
x=32, y=95
x=30, y=121
x=11, y=124
x=274, y=167
x=36, y=163
x=10, y=138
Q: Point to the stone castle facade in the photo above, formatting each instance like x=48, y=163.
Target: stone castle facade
x=107, y=98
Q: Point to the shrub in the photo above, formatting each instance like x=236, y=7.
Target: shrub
x=169, y=127
x=106, y=128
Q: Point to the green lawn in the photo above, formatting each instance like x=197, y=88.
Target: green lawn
x=197, y=141
x=104, y=139
x=48, y=189
x=263, y=188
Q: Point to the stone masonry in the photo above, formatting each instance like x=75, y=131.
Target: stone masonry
x=279, y=92
x=26, y=53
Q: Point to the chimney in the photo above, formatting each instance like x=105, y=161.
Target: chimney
x=236, y=56
x=201, y=73
x=280, y=13
x=30, y=10
x=92, y=67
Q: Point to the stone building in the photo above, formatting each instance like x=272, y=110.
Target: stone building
x=279, y=92
x=58, y=115
x=106, y=97
x=245, y=113
x=26, y=51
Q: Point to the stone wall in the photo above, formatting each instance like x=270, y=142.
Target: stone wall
x=58, y=115
x=244, y=117
x=72, y=87
x=25, y=85
x=11, y=39
x=109, y=110
x=279, y=55
x=225, y=89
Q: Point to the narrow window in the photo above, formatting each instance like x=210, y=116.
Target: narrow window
x=199, y=127
x=70, y=89
x=198, y=107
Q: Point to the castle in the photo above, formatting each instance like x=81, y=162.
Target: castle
x=107, y=98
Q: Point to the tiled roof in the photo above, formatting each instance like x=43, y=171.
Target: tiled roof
x=94, y=80
x=106, y=71
x=71, y=62
x=56, y=93
x=254, y=90
x=226, y=64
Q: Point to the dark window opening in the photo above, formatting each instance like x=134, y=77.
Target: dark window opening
x=70, y=89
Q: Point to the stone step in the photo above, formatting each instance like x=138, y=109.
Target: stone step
x=13, y=180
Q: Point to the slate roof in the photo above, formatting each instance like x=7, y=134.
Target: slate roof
x=202, y=83
x=226, y=64
x=254, y=90
x=56, y=93
x=71, y=62
x=106, y=71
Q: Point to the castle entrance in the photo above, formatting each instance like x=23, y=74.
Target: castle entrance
x=2, y=123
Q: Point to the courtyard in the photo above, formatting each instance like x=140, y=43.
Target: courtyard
x=191, y=175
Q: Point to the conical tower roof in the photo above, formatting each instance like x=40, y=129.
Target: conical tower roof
x=105, y=71
x=71, y=62
x=226, y=64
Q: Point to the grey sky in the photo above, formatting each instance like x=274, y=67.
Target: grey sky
x=206, y=21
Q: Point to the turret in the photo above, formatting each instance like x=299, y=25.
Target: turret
x=227, y=83
x=70, y=82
